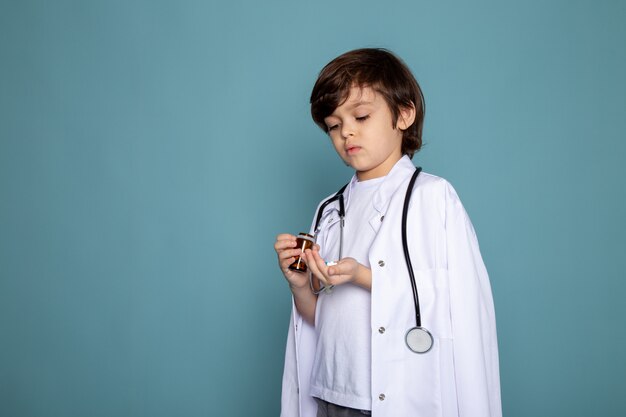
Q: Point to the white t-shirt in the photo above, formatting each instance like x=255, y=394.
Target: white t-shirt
x=341, y=368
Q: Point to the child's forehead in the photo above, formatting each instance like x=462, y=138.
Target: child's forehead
x=360, y=92
x=358, y=95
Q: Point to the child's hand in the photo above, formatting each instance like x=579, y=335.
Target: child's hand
x=346, y=270
x=287, y=252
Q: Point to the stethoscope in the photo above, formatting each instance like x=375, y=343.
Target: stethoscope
x=418, y=339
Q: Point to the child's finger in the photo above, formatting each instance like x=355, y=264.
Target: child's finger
x=319, y=265
x=310, y=261
x=289, y=253
x=320, y=262
x=314, y=266
x=284, y=244
x=340, y=268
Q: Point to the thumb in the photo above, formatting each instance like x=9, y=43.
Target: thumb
x=332, y=267
x=340, y=268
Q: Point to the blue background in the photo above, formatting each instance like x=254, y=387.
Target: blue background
x=150, y=151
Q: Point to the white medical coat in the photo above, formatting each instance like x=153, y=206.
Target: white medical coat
x=459, y=376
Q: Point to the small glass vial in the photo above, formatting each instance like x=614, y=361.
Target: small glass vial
x=304, y=241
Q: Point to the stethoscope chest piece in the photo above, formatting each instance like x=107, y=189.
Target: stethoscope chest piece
x=418, y=340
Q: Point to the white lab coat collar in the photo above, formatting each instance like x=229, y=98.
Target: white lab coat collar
x=399, y=173
x=402, y=169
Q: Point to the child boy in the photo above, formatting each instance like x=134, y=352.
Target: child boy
x=346, y=351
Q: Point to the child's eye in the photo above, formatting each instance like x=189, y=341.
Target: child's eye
x=333, y=127
x=363, y=118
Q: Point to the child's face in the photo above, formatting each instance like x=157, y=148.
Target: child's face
x=363, y=134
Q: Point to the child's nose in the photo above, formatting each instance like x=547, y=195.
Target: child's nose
x=347, y=130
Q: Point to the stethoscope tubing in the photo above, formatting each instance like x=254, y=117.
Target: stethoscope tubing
x=405, y=246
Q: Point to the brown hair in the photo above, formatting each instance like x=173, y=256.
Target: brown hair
x=381, y=70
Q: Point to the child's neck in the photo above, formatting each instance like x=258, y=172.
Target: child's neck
x=381, y=170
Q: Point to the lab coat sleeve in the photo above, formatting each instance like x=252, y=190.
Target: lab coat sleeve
x=299, y=355
x=290, y=405
x=472, y=317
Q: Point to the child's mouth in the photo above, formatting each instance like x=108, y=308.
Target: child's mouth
x=353, y=150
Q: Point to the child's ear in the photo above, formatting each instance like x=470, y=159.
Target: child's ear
x=406, y=117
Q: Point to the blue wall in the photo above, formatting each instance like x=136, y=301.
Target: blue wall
x=151, y=150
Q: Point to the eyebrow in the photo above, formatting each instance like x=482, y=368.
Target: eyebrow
x=354, y=106
x=359, y=103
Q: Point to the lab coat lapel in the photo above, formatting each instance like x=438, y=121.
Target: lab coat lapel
x=400, y=172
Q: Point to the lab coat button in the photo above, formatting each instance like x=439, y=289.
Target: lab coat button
x=382, y=218
x=381, y=263
x=381, y=397
x=381, y=330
